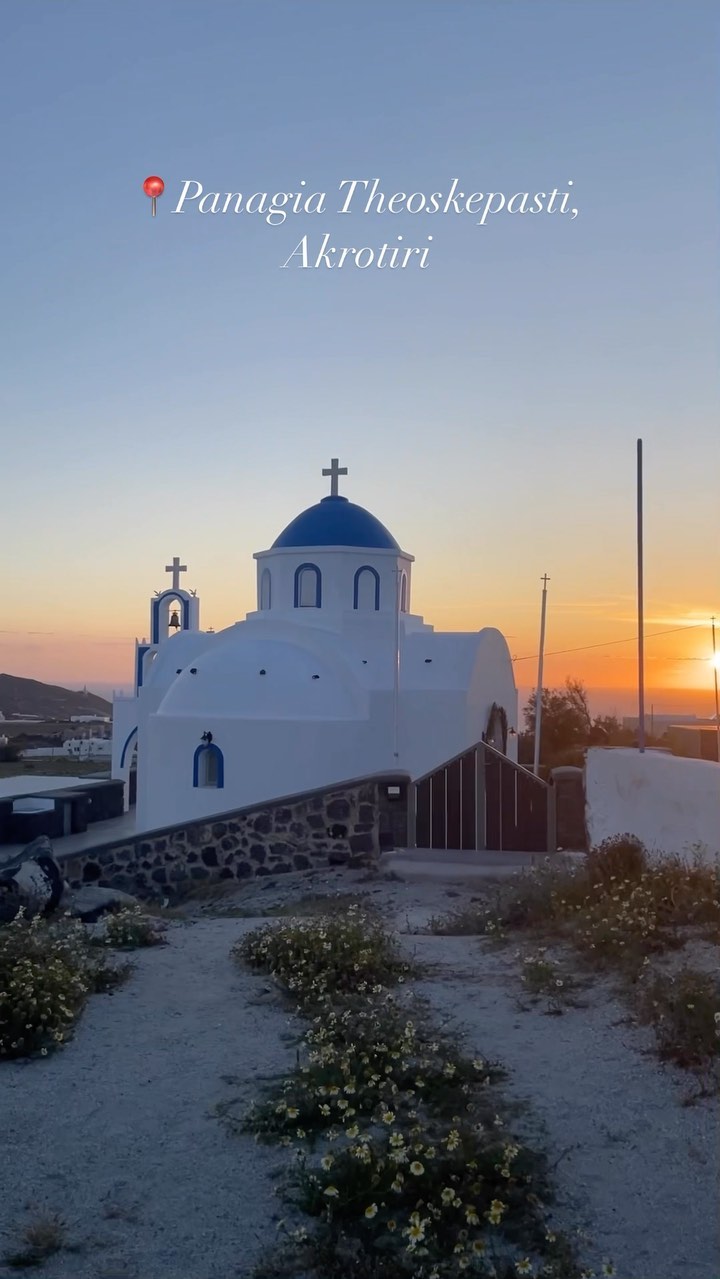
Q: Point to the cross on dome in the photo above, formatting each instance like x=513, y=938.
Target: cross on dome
x=335, y=470
x=176, y=568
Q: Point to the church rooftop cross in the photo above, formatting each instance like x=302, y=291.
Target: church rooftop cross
x=176, y=568
x=335, y=470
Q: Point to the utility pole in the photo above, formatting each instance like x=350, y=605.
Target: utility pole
x=396, y=672
x=538, y=693
x=715, y=676
x=640, y=602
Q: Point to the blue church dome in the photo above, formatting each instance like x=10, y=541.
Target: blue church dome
x=335, y=521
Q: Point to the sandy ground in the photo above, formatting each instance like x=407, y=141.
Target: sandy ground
x=118, y=1134
x=117, y=1131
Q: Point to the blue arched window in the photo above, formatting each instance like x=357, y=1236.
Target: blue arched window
x=366, y=590
x=265, y=589
x=209, y=767
x=308, y=586
x=403, y=594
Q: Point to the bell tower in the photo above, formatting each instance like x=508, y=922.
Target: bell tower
x=171, y=611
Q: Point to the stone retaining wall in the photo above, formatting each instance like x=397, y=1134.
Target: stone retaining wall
x=347, y=824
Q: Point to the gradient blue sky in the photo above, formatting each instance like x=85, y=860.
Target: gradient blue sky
x=167, y=389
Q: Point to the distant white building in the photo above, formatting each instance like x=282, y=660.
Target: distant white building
x=89, y=719
x=331, y=677
x=73, y=748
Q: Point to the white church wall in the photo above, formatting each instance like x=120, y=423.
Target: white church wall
x=337, y=567
x=432, y=729
x=671, y=804
x=262, y=760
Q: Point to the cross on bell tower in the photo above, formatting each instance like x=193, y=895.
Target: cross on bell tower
x=335, y=470
x=176, y=568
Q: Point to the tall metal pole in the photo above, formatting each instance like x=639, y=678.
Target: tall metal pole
x=715, y=675
x=641, y=603
x=396, y=673
x=539, y=690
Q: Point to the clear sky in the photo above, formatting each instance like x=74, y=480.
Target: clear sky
x=168, y=389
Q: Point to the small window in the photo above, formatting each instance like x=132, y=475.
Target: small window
x=307, y=586
x=265, y=590
x=403, y=594
x=366, y=591
x=209, y=767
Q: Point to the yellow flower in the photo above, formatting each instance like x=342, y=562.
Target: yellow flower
x=392, y=1224
x=478, y=1246
x=496, y=1210
x=471, y=1216
x=524, y=1267
x=417, y=1169
x=608, y=1269
x=371, y=1211
x=352, y=1131
x=388, y=1116
x=332, y=1192
x=327, y=1161
x=292, y=1112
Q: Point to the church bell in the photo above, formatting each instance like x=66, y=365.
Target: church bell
x=174, y=622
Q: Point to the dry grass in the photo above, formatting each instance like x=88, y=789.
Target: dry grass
x=40, y=1238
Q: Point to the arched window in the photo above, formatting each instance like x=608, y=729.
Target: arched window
x=265, y=589
x=403, y=593
x=366, y=590
x=209, y=767
x=308, y=589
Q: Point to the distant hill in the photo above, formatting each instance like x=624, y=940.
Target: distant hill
x=30, y=697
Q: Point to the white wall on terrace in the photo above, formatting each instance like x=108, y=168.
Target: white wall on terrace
x=671, y=804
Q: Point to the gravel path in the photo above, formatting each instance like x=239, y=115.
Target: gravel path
x=638, y=1171
x=117, y=1133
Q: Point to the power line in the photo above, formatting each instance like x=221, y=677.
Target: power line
x=631, y=639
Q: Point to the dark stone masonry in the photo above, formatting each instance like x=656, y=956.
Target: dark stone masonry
x=348, y=824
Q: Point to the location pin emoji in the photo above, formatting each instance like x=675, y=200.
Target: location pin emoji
x=153, y=187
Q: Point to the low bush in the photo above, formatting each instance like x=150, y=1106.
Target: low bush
x=44, y=981
x=684, y=1009
x=130, y=929
x=542, y=976
x=47, y=971
x=614, y=906
x=374, y=1063
x=321, y=958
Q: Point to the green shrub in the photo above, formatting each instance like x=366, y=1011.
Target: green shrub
x=375, y=1063
x=685, y=1012
x=621, y=858
x=44, y=981
x=315, y=959
x=130, y=928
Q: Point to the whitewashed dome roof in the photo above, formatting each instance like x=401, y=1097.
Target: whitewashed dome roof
x=177, y=652
x=250, y=676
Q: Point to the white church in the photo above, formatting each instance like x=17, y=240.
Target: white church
x=332, y=677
